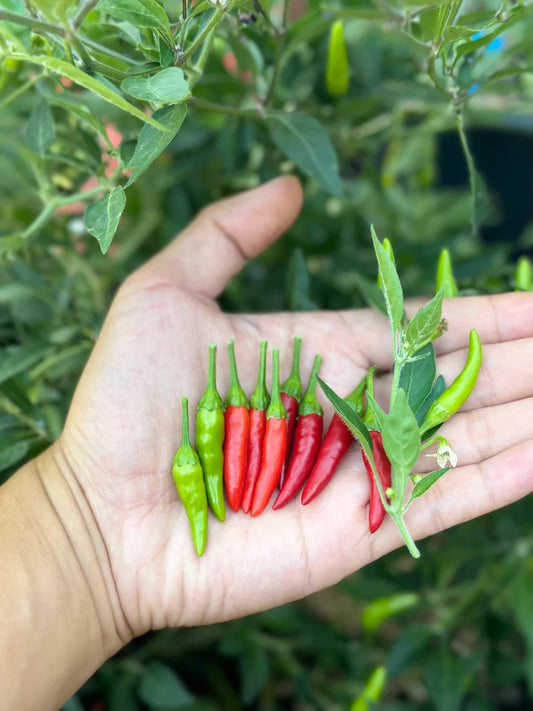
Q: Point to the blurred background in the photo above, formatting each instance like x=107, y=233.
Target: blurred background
x=426, y=133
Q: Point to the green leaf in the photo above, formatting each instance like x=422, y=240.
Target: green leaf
x=254, y=673
x=453, y=33
x=58, y=66
x=353, y=422
x=160, y=687
x=166, y=87
x=141, y=13
x=439, y=386
x=447, y=677
x=390, y=283
x=427, y=481
x=401, y=440
x=103, y=215
x=378, y=414
x=12, y=454
x=417, y=376
x=21, y=359
x=40, y=130
x=423, y=327
x=153, y=142
x=305, y=141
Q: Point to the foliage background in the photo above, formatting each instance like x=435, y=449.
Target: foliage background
x=433, y=146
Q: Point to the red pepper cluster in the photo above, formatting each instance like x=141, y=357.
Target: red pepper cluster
x=276, y=441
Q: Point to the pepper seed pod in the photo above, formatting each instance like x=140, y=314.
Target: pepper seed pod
x=449, y=402
x=210, y=439
x=189, y=479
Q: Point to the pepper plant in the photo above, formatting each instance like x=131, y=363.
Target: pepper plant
x=419, y=402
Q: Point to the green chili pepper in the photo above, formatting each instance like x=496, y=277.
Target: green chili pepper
x=445, y=280
x=523, y=278
x=210, y=439
x=379, y=610
x=449, y=402
x=338, y=68
x=189, y=480
x=372, y=691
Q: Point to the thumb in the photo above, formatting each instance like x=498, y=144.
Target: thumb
x=219, y=241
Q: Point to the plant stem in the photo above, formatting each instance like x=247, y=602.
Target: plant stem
x=83, y=12
x=472, y=174
x=211, y=106
x=32, y=23
x=411, y=546
x=213, y=22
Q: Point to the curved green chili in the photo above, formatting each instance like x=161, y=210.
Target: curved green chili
x=189, y=479
x=449, y=402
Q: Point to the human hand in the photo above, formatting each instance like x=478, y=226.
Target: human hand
x=124, y=427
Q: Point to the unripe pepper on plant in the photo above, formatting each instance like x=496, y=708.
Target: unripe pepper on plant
x=450, y=401
x=258, y=406
x=189, y=479
x=338, y=67
x=445, y=280
x=210, y=439
x=237, y=424
x=274, y=444
x=307, y=438
x=291, y=394
x=523, y=278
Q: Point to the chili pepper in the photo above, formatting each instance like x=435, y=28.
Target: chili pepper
x=307, y=439
x=274, y=444
x=210, y=439
x=376, y=510
x=524, y=275
x=258, y=406
x=237, y=423
x=381, y=609
x=338, y=68
x=372, y=691
x=189, y=479
x=335, y=444
x=291, y=394
x=449, y=402
x=445, y=281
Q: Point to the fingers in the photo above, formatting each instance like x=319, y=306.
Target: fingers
x=216, y=245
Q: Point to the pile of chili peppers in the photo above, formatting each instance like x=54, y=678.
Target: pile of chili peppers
x=246, y=448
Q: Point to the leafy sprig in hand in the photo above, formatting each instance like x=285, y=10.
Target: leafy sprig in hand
x=419, y=401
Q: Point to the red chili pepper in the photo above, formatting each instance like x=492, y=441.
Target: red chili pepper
x=335, y=444
x=307, y=438
x=258, y=406
x=274, y=444
x=291, y=394
x=376, y=510
x=236, y=426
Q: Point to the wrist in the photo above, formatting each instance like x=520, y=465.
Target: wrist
x=58, y=614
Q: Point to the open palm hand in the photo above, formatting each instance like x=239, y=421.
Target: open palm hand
x=125, y=421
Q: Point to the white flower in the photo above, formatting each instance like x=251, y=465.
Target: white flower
x=444, y=454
